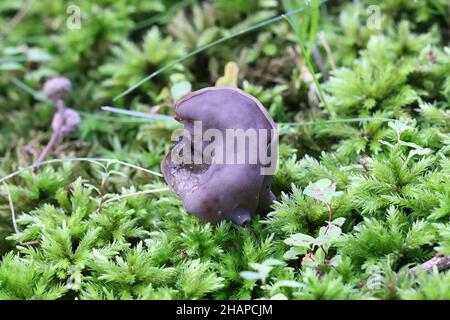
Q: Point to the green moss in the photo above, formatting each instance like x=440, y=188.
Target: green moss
x=72, y=237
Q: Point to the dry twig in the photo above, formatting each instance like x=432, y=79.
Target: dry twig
x=441, y=262
x=11, y=206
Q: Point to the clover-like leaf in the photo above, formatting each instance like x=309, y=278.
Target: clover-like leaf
x=262, y=269
x=279, y=296
x=338, y=221
x=322, y=190
x=287, y=283
x=294, y=252
x=251, y=275
x=299, y=240
x=328, y=234
x=400, y=127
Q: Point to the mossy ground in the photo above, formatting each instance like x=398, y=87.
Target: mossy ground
x=392, y=176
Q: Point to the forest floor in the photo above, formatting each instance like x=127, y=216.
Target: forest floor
x=360, y=91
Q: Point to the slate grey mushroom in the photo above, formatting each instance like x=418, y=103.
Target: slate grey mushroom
x=221, y=191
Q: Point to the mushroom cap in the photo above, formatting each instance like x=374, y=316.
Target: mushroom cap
x=217, y=191
x=224, y=107
x=71, y=123
x=57, y=88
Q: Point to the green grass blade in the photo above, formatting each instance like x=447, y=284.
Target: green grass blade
x=138, y=114
x=163, y=17
x=331, y=121
x=440, y=8
x=23, y=86
x=103, y=117
x=134, y=194
x=311, y=67
x=146, y=117
x=315, y=16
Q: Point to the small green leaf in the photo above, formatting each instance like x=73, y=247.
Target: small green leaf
x=328, y=235
x=299, y=240
x=294, y=252
x=180, y=89
x=270, y=49
x=400, y=127
x=339, y=221
x=322, y=190
x=287, y=283
x=38, y=55
x=279, y=296
x=250, y=275
x=263, y=269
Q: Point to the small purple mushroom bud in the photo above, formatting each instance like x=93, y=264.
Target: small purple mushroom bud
x=217, y=189
x=57, y=88
x=71, y=122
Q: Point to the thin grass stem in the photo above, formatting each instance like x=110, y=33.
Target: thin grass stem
x=92, y=160
x=134, y=194
x=210, y=45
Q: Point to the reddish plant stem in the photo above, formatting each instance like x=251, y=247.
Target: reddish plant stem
x=55, y=135
x=330, y=216
x=324, y=42
x=102, y=194
x=11, y=206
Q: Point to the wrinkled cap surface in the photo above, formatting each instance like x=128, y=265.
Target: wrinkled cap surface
x=217, y=191
x=57, y=88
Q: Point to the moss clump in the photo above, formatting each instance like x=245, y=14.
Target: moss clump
x=72, y=237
